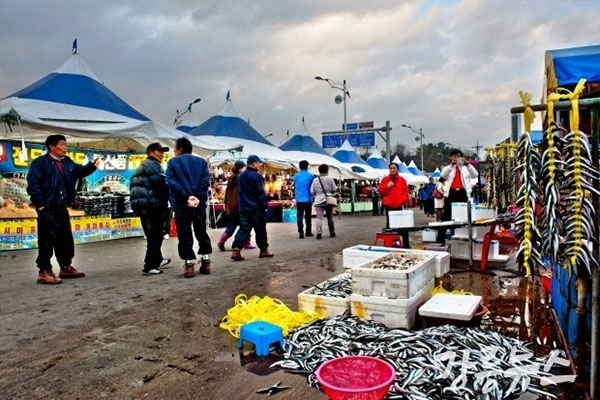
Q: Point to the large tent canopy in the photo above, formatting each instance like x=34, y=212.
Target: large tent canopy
x=419, y=176
x=229, y=128
x=302, y=146
x=74, y=102
x=410, y=178
x=377, y=161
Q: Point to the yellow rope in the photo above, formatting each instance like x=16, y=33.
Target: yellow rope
x=264, y=309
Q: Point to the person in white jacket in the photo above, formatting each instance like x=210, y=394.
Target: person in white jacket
x=458, y=177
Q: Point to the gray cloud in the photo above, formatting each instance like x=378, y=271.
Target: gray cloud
x=453, y=68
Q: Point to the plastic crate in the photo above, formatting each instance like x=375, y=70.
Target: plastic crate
x=289, y=215
x=358, y=255
x=392, y=283
x=329, y=307
x=393, y=313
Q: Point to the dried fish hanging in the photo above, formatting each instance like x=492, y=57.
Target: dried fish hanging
x=580, y=174
x=490, y=176
x=529, y=162
x=500, y=185
x=552, y=168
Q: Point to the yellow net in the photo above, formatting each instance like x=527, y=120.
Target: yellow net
x=440, y=289
x=264, y=309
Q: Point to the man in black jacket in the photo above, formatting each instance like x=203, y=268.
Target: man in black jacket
x=253, y=209
x=189, y=180
x=51, y=184
x=149, y=196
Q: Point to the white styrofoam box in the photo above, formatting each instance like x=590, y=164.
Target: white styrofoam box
x=477, y=232
x=393, y=283
x=461, y=232
x=394, y=313
x=458, y=211
x=459, y=248
x=401, y=219
x=357, y=255
x=480, y=212
x=451, y=306
x=429, y=235
x=329, y=307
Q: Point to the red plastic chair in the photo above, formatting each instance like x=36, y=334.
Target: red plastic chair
x=388, y=239
x=504, y=236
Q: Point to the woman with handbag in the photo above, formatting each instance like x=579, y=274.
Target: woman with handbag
x=394, y=190
x=439, y=193
x=323, y=190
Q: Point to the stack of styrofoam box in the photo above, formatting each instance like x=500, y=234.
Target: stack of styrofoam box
x=327, y=306
x=392, y=296
x=459, y=212
x=401, y=219
x=459, y=248
x=357, y=255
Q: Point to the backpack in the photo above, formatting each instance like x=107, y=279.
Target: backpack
x=437, y=194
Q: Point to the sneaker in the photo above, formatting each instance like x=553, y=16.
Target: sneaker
x=153, y=271
x=164, y=263
x=70, y=272
x=48, y=278
x=301, y=235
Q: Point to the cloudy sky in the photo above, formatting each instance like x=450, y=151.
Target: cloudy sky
x=450, y=67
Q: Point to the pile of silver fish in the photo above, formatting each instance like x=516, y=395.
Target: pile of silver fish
x=340, y=286
x=436, y=363
x=397, y=262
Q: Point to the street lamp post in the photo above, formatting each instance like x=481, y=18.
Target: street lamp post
x=340, y=86
x=187, y=109
x=420, y=137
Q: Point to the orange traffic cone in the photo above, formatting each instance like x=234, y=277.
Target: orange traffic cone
x=173, y=232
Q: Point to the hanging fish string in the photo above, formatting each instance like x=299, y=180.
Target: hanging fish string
x=529, y=162
x=552, y=169
x=423, y=369
x=580, y=175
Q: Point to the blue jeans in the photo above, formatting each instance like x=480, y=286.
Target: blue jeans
x=249, y=220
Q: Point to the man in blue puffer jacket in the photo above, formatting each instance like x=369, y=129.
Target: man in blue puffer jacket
x=302, y=183
x=253, y=209
x=149, y=196
x=189, y=180
x=51, y=185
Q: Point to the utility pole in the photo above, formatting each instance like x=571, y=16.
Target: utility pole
x=477, y=147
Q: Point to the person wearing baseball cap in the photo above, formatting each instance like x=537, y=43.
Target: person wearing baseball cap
x=149, y=196
x=253, y=206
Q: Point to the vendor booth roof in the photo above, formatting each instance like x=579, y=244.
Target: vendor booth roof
x=437, y=173
x=377, y=162
x=566, y=67
x=188, y=122
x=230, y=129
x=352, y=161
x=303, y=141
x=72, y=101
x=412, y=167
x=346, y=154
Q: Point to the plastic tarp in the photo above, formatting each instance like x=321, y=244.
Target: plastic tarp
x=74, y=102
x=302, y=146
x=229, y=128
x=566, y=67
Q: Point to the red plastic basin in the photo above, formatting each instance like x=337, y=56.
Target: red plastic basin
x=356, y=378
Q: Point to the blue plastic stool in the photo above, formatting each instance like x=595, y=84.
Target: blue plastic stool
x=262, y=334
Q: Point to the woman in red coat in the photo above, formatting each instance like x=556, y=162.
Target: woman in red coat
x=394, y=190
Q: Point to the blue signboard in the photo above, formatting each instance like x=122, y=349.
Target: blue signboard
x=351, y=126
x=357, y=139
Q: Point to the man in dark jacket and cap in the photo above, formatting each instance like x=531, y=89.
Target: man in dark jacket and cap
x=253, y=205
x=189, y=180
x=51, y=184
x=149, y=196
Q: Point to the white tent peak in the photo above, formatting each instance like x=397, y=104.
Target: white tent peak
x=303, y=130
x=346, y=146
x=375, y=155
x=397, y=160
x=412, y=164
x=229, y=110
x=75, y=65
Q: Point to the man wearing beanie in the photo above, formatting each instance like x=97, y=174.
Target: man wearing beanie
x=189, y=180
x=253, y=209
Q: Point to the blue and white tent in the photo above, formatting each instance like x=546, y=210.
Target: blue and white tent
x=376, y=161
x=405, y=173
x=229, y=128
x=352, y=161
x=74, y=102
x=436, y=174
x=188, y=122
x=412, y=168
x=302, y=146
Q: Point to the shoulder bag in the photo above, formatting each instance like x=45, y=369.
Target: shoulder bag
x=329, y=200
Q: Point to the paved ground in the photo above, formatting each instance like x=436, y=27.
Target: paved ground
x=122, y=335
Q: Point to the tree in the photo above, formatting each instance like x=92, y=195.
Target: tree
x=400, y=150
